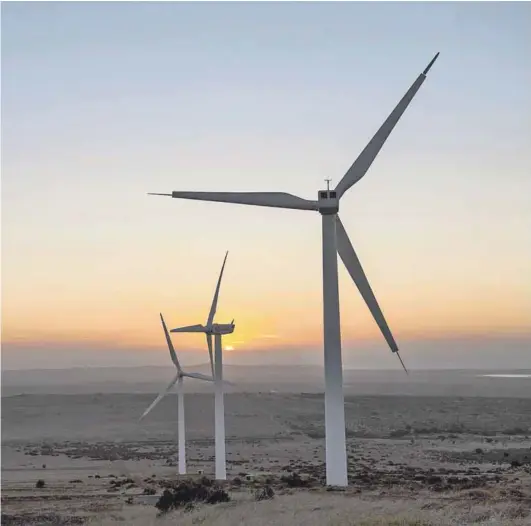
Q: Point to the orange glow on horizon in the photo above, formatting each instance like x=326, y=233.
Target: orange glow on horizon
x=265, y=319
x=186, y=342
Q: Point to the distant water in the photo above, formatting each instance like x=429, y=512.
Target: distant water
x=506, y=375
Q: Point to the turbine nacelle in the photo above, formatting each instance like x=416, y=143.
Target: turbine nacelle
x=327, y=202
x=222, y=328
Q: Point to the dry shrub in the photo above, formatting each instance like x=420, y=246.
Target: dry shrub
x=189, y=492
x=294, y=480
x=149, y=491
x=265, y=493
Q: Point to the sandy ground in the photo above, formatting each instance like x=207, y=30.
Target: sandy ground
x=434, y=460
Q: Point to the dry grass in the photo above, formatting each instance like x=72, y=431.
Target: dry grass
x=324, y=509
x=408, y=480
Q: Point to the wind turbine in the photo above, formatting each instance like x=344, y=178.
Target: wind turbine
x=334, y=240
x=217, y=330
x=179, y=377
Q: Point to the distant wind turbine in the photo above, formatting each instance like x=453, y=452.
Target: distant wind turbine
x=216, y=363
x=179, y=377
x=334, y=240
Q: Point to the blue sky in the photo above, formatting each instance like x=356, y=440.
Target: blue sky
x=103, y=102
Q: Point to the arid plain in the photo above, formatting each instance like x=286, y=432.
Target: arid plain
x=434, y=448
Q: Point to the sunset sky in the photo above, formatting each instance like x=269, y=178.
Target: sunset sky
x=104, y=102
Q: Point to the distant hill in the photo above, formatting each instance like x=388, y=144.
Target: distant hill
x=305, y=378
x=155, y=373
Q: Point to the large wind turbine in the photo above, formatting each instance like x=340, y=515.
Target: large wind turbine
x=179, y=377
x=217, y=330
x=334, y=240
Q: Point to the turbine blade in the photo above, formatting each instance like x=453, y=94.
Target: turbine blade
x=210, y=353
x=199, y=376
x=362, y=164
x=353, y=265
x=272, y=199
x=403, y=365
x=214, y=305
x=205, y=377
x=161, y=396
x=173, y=354
x=189, y=328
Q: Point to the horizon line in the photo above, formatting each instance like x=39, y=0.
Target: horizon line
x=316, y=366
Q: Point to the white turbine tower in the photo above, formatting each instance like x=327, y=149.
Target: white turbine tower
x=179, y=377
x=216, y=363
x=334, y=240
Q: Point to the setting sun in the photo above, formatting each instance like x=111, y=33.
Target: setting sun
x=229, y=348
